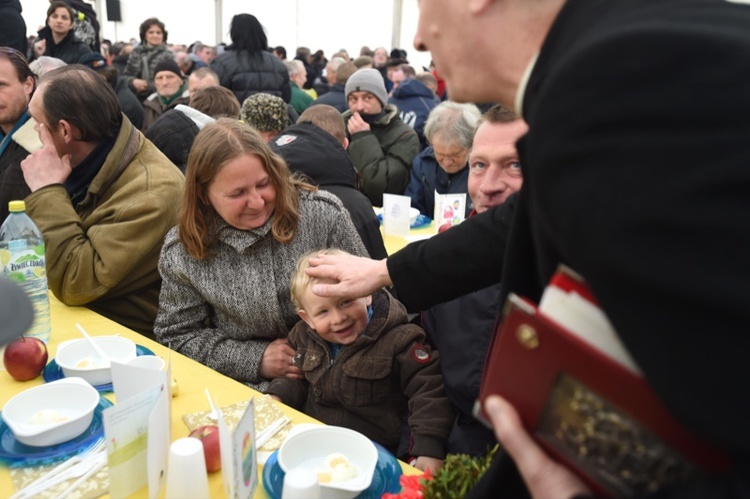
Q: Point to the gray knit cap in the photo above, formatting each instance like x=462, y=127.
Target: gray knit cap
x=367, y=80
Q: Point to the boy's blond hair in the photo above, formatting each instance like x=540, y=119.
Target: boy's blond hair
x=300, y=280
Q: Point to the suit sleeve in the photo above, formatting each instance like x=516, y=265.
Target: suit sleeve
x=641, y=182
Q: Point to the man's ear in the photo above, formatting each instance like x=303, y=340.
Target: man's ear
x=303, y=315
x=368, y=300
x=345, y=143
x=68, y=131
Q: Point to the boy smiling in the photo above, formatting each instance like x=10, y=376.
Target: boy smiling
x=364, y=365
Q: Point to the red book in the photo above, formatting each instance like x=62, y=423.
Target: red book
x=583, y=397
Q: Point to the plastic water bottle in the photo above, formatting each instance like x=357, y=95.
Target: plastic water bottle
x=22, y=260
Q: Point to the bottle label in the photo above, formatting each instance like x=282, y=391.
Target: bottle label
x=25, y=265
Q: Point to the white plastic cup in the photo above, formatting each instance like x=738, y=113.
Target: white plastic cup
x=148, y=362
x=186, y=472
x=301, y=483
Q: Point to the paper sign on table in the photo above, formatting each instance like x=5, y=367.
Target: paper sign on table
x=137, y=434
x=239, y=464
x=396, y=214
x=450, y=209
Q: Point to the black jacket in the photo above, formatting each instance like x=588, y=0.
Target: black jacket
x=70, y=49
x=246, y=74
x=12, y=26
x=317, y=154
x=334, y=97
x=643, y=192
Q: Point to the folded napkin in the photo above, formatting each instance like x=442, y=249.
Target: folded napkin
x=266, y=413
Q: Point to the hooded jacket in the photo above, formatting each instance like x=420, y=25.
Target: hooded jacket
x=414, y=100
x=317, y=154
x=103, y=252
x=387, y=372
x=383, y=155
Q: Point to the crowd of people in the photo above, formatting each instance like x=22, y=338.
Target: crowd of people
x=219, y=199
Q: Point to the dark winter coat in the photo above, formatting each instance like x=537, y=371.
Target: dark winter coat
x=317, y=154
x=246, y=74
x=414, y=101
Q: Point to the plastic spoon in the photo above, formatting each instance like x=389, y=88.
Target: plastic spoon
x=213, y=414
x=101, y=353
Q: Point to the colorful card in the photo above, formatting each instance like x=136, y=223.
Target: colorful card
x=239, y=460
x=450, y=209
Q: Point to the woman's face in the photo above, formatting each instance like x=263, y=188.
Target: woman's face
x=242, y=193
x=60, y=22
x=154, y=35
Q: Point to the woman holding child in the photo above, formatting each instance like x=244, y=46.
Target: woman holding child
x=226, y=267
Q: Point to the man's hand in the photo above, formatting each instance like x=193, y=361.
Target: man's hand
x=543, y=476
x=357, y=124
x=140, y=85
x=44, y=167
x=356, y=276
x=40, y=46
x=425, y=463
x=278, y=360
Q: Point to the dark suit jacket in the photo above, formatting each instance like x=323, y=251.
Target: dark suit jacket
x=636, y=174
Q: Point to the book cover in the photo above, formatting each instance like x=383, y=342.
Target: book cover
x=583, y=398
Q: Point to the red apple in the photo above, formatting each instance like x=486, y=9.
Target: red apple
x=209, y=437
x=25, y=358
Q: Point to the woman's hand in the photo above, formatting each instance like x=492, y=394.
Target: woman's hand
x=543, y=476
x=140, y=85
x=278, y=360
x=425, y=463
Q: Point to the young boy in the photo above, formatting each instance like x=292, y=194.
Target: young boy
x=364, y=365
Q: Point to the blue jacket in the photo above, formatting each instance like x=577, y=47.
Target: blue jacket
x=427, y=176
x=414, y=102
x=334, y=97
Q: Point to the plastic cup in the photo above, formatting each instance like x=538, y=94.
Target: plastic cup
x=301, y=483
x=186, y=472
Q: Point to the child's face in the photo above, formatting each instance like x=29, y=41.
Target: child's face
x=336, y=320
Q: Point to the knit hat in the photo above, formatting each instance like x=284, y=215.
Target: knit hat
x=168, y=65
x=367, y=80
x=265, y=112
x=93, y=60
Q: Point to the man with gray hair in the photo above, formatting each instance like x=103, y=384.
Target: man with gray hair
x=335, y=96
x=381, y=146
x=324, y=82
x=300, y=100
x=443, y=166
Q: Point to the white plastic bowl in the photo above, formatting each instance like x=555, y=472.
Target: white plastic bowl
x=310, y=448
x=71, y=400
x=70, y=353
x=413, y=214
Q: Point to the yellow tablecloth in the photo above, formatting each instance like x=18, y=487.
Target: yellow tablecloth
x=395, y=243
x=192, y=379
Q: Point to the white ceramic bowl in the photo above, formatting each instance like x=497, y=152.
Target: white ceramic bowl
x=71, y=353
x=413, y=214
x=53, y=413
x=310, y=448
